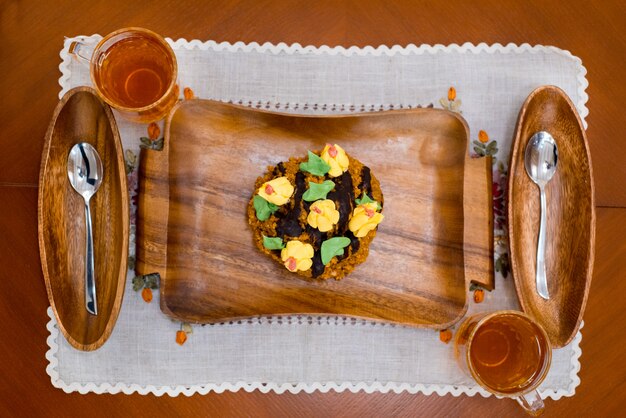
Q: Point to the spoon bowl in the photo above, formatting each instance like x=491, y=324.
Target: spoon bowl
x=540, y=161
x=541, y=158
x=84, y=169
x=85, y=172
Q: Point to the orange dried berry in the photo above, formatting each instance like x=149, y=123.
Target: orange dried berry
x=154, y=131
x=483, y=137
x=176, y=90
x=181, y=337
x=479, y=295
x=188, y=93
x=451, y=93
x=445, y=335
x=146, y=294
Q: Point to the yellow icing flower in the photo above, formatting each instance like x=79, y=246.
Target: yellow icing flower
x=277, y=191
x=364, y=219
x=323, y=215
x=336, y=158
x=297, y=256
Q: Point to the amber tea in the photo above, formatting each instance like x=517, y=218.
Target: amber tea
x=135, y=71
x=507, y=353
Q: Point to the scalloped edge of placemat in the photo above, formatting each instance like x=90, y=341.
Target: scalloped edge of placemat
x=395, y=387
x=266, y=387
x=581, y=103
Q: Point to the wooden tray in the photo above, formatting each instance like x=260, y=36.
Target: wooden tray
x=192, y=226
x=82, y=116
x=570, y=236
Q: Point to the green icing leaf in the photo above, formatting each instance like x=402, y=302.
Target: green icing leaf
x=333, y=247
x=263, y=208
x=318, y=191
x=366, y=199
x=274, y=243
x=315, y=165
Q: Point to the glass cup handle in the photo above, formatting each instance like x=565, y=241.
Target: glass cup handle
x=532, y=403
x=81, y=51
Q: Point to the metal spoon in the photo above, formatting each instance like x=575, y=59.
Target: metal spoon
x=540, y=162
x=84, y=170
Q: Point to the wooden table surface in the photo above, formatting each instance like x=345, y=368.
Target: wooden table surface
x=31, y=33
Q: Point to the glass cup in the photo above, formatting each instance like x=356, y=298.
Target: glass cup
x=507, y=353
x=134, y=70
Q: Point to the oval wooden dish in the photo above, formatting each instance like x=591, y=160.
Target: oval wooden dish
x=82, y=116
x=570, y=234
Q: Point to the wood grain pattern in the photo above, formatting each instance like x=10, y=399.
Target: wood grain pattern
x=479, y=231
x=415, y=271
x=570, y=234
x=82, y=117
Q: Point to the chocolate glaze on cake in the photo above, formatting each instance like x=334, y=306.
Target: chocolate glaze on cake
x=343, y=196
x=289, y=222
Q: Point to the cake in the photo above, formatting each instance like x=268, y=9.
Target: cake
x=316, y=215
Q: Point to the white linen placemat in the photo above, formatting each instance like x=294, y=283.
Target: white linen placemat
x=489, y=84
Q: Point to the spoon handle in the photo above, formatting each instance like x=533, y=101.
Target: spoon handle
x=90, y=275
x=542, y=283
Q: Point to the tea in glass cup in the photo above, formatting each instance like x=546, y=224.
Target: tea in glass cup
x=507, y=353
x=134, y=70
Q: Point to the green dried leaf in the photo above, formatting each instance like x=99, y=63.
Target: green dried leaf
x=138, y=283
x=318, y=191
x=478, y=143
x=158, y=144
x=476, y=286
x=502, y=265
x=263, y=208
x=187, y=328
x=366, y=199
x=273, y=243
x=315, y=165
x=333, y=247
x=131, y=161
x=130, y=155
x=131, y=263
x=152, y=280
x=479, y=151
